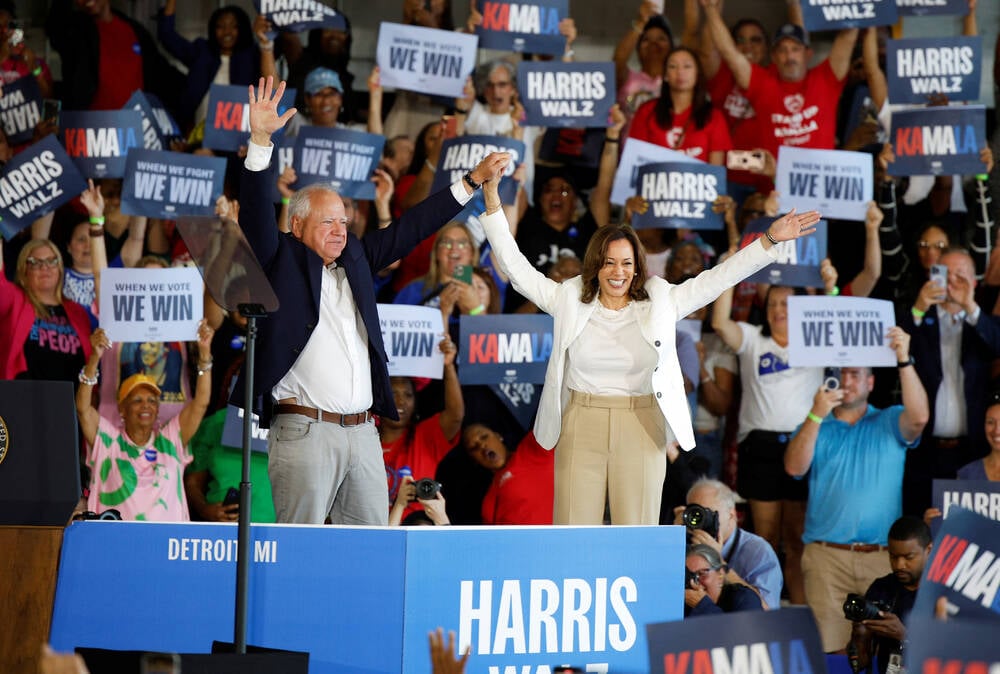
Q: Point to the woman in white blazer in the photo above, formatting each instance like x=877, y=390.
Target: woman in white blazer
x=613, y=382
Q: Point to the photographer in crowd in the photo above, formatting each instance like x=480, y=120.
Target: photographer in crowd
x=878, y=617
x=856, y=454
x=708, y=590
x=710, y=516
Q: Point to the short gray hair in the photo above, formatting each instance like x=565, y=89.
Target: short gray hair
x=300, y=203
x=723, y=493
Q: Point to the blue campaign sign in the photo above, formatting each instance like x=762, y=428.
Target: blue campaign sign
x=828, y=181
x=530, y=26
x=938, y=140
x=158, y=127
x=504, y=348
x=98, y=141
x=963, y=567
x=425, y=60
x=232, y=431
x=20, y=109
x=932, y=7
x=954, y=646
x=980, y=496
x=296, y=16
x=34, y=182
x=521, y=399
x=555, y=93
x=464, y=153
x=342, y=158
x=768, y=641
x=798, y=261
x=523, y=596
x=227, y=125
x=918, y=68
x=171, y=184
x=836, y=14
x=680, y=195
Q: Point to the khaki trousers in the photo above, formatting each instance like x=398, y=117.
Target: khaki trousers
x=611, y=448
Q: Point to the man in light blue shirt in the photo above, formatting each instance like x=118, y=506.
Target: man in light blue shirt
x=856, y=454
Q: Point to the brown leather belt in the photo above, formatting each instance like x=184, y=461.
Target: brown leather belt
x=854, y=547
x=322, y=415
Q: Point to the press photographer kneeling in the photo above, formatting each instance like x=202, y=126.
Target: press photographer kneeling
x=878, y=630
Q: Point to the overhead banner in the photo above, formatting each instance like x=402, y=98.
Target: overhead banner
x=522, y=598
x=843, y=331
x=837, y=183
x=964, y=568
x=411, y=335
x=980, y=496
x=20, y=110
x=98, y=141
x=170, y=184
x=680, y=195
x=938, y=141
x=918, y=68
x=555, y=93
x=343, y=158
x=636, y=153
x=38, y=180
x=932, y=7
x=530, y=26
x=425, y=60
x=747, y=641
x=158, y=127
x=296, y=16
x=151, y=305
x=821, y=15
x=798, y=261
x=227, y=126
x=504, y=348
x=232, y=430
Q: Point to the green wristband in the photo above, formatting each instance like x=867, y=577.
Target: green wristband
x=813, y=418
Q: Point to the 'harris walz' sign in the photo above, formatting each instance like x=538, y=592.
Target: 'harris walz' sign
x=680, y=195
x=921, y=67
x=34, y=182
x=834, y=14
x=295, y=16
x=566, y=94
x=98, y=141
x=158, y=127
x=928, y=7
x=341, y=157
x=20, y=109
x=524, y=26
x=938, y=140
x=463, y=153
x=504, y=348
x=170, y=184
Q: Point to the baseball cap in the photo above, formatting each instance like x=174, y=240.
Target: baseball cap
x=134, y=382
x=790, y=30
x=321, y=78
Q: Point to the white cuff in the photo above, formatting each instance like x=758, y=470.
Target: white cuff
x=458, y=191
x=973, y=318
x=258, y=156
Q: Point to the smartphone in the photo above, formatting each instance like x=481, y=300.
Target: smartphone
x=831, y=378
x=744, y=160
x=16, y=34
x=449, y=126
x=232, y=496
x=939, y=274
x=51, y=108
x=160, y=663
x=463, y=273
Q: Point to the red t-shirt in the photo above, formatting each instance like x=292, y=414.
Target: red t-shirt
x=421, y=449
x=522, y=490
x=683, y=136
x=801, y=114
x=120, y=65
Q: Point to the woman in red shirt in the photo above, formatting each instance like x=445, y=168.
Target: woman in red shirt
x=683, y=117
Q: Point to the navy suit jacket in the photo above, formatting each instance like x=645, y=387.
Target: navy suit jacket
x=980, y=344
x=295, y=273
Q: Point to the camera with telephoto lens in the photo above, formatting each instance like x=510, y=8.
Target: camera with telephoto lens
x=690, y=579
x=427, y=488
x=699, y=517
x=858, y=608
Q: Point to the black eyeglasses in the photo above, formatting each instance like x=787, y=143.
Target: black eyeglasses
x=39, y=262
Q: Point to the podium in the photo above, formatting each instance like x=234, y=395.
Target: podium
x=362, y=599
x=39, y=487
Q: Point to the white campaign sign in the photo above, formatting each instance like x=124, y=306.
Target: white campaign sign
x=411, y=335
x=845, y=331
x=837, y=183
x=151, y=305
x=635, y=154
x=426, y=60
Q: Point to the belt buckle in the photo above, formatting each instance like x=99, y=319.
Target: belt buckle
x=342, y=424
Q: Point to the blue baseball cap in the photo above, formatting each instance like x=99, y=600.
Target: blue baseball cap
x=321, y=78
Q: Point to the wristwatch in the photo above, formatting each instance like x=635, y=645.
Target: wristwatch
x=470, y=182
x=905, y=363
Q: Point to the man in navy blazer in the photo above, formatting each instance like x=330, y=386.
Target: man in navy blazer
x=320, y=363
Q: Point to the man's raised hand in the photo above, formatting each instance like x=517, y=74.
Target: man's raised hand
x=264, y=117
